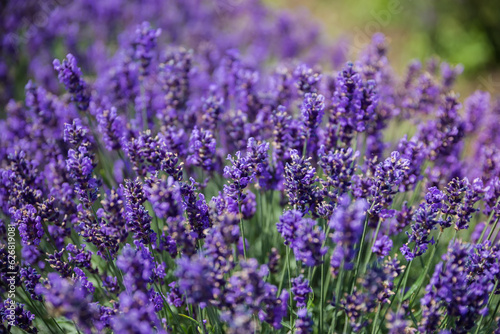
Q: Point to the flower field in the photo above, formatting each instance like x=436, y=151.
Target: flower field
x=218, y=167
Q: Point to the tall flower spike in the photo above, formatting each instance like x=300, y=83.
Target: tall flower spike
x=143, y=45
x=138, y=218
x=312, y=111
x=70, y=75
x=306, y=79
x=301, y=290
x=347, y=221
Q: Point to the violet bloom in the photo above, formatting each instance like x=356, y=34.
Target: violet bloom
x=301, y=290
x=164, y=194
x=80, y=166
x=21, y=318
x=70, y=75
x=312, y=111
x=30, y=278
x=240, y=174
x=388, y=177
x=196, y=279
x=70, y=299
x=247, y=288
x=382, y=246
x=249, y=205
x=137, y=315
x=29, y=224
x=112, y=127
x=300, y=179
x=144, y=43
x=338, y=167
x=462, y=299
x=212, y=109
x=476, y=106
x=347, y=221
x=138, y=218
x=174, y=297
x=304, y=323
x=304, y=237
x=174, y=76
x=196, y=209
x=201, y=149
x=306, y=79
x=425, y=219
x=139, y=268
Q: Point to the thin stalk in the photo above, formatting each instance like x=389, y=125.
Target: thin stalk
x=280, y=287
x=289, y=283
x=493, y=229
x=321, y=300
x=242, y=228
x=337, y=296
x=488, y=223
x=374, y=328
x=482, y=317
x=494, y=313
x=360, y=251
x=368, y=258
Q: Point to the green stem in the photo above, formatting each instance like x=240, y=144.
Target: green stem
x=337, y=296
x=289, y=283
x=494, y=313
x=374, y=330
x=361, y=243
x=321, y=300
x=492, y=229
x=280, y=287
x=488, y=223
x=368, y=258
x=242, y=228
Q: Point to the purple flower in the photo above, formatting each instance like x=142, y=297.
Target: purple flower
x=70, y=299
x=139, y=267
x=347, y=221
x=476, y=106
x=143, y=45
x=29, y=224
x=382, y=246
x=196, y=209
x=196, y=279
x=306, y=79
x=201, y=149
x=304, y=323
x=137, y=315
x=312, y=110
x=300, y=179
x=112, y=127
x=138, y=218
x=174, y=297
x=164, y=196
x=308, y=243
x=16, y=316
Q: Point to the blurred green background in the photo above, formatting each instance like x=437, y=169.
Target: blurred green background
x=463, y=32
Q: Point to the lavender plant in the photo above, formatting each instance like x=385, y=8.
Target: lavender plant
x=206, y=189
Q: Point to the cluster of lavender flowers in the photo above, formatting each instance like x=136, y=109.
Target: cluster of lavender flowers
x=209, y=190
